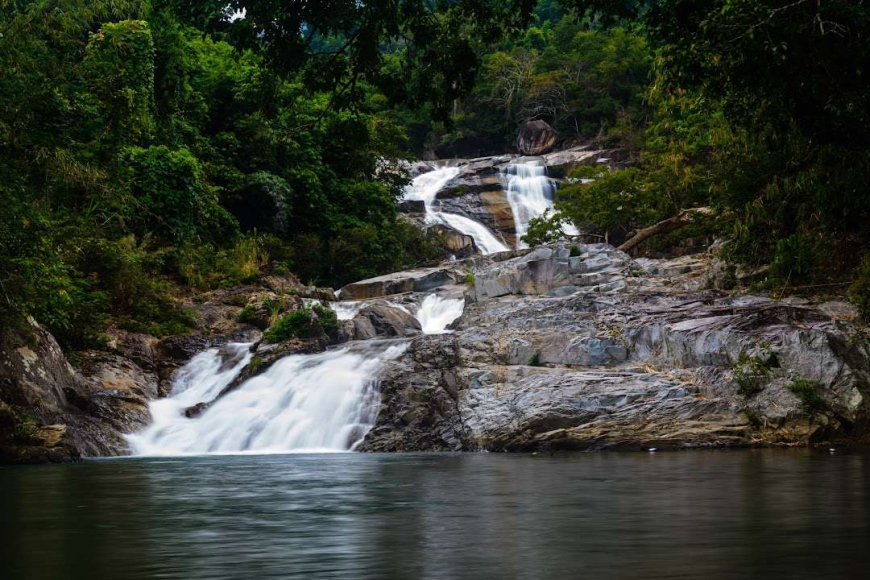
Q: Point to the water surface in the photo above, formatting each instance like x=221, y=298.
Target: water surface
x=717, y=514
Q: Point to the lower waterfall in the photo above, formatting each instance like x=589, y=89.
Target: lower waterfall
x=302, y=403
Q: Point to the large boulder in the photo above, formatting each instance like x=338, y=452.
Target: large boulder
x=536, y=138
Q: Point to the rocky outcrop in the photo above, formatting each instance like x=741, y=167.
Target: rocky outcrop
x=593, y=351
x=420, y=280
x=536, y=138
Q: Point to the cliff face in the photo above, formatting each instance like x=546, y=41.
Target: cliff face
x=582, y=348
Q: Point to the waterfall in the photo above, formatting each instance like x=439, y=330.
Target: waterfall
x=436, y=313
x=530, y=193
x=302, y=403
x=426, y=186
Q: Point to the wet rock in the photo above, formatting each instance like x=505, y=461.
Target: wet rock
x=384, y=320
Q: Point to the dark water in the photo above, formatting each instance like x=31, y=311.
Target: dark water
x=723, y=514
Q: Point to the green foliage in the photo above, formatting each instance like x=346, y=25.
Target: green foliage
x=296, y=324
x=119, y=68
x=575, y=251
x=327, y=317
x=170, y=198
x=859, y=291
x=752, y=417
x=544, y=229
x=616, y=203
x=247, y=315
x=809, y=393
x=753, y=373
x=584, y=172
x=535, y=360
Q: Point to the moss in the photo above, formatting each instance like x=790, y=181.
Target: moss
x=469, y=278
x=575, y=252
x=254, y=365
x=327, y=317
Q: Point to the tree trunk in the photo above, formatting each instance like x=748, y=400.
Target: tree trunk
x=684, y=218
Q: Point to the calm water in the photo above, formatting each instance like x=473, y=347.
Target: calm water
x=723, y=514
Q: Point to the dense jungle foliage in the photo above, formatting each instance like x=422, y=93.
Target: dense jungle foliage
x=155, y=148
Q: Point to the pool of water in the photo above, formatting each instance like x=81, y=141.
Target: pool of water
x=707, y=514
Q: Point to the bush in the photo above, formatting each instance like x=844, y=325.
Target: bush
x=752, y=373
x=168, y=196
x=535, y=360
x=796, y=259
x=809, y=393
x=544, y=229
x=859, y=291
x=584, y=172
x=297, y=324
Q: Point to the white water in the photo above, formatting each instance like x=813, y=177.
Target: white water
x=436, y=313
x=346, y=310
x=426, y=186
x=530, y=193
x=302, y=403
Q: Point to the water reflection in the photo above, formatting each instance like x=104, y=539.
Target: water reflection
x=673, y=515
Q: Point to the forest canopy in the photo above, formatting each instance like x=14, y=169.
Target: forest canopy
x=157, y=148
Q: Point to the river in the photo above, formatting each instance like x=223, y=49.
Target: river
x=699, y=514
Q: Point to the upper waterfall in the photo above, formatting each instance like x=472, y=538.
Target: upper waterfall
x=530, y=193
x=426, y=186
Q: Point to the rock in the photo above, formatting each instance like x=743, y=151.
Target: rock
x=625, y=359
x=384, y=320
x=536, y=138
x=455, y=243
x=412, y=206
x=421, y=280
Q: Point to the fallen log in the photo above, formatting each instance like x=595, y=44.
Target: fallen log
x=684, y=218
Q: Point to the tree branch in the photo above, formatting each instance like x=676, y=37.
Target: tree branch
x=684, y=218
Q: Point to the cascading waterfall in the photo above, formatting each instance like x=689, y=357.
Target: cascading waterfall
x=426, y=186
x=302, y=403
x=530, y=193
x=437, y=312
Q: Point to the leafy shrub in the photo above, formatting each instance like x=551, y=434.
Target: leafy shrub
x=248, y=315
x=327, y=317
x=584, y=172
x=295, y=324
x=544, y=229
x=859, y=291
x=752, y=373
x=298, y=324
x=575, y=252
x=809, y=393
x=535, y=360
x=796, y=259
x=616, y=203
x=168, y=196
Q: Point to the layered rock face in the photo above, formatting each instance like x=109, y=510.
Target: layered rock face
x=590, y=351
